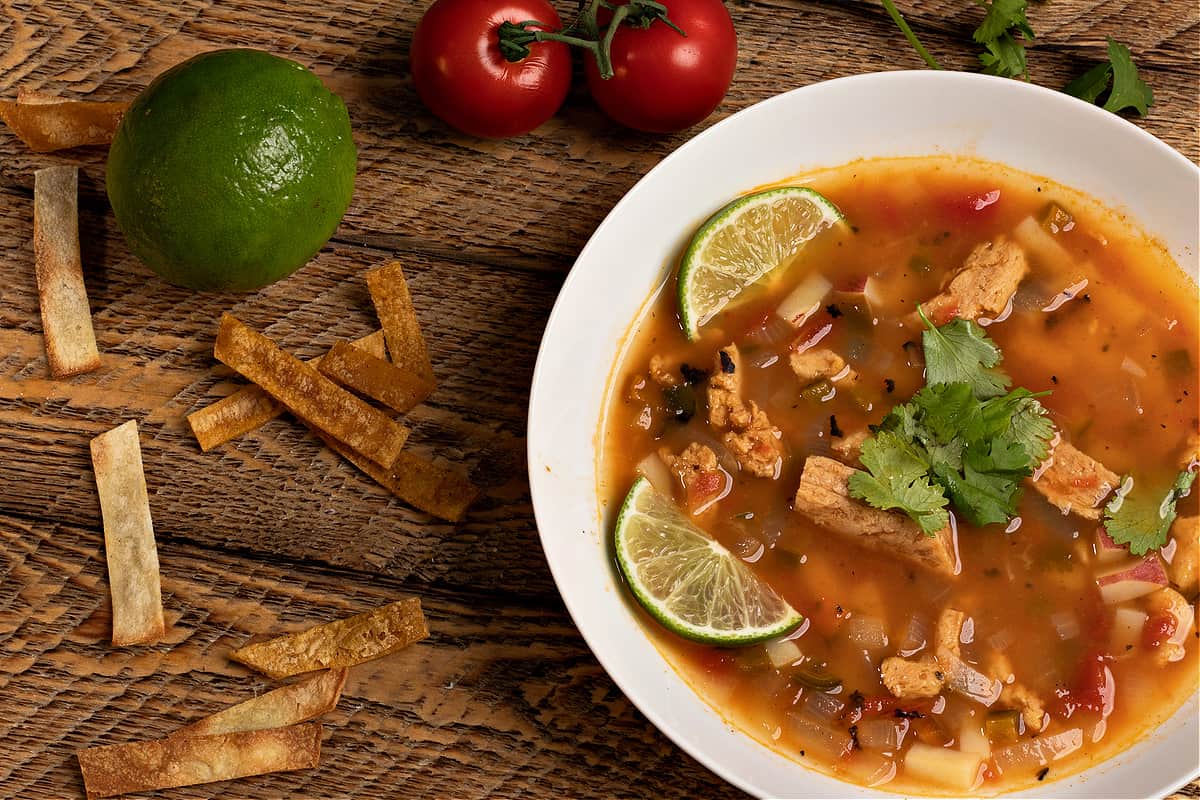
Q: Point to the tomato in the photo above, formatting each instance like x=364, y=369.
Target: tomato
x=462, y=77
x=663, y=82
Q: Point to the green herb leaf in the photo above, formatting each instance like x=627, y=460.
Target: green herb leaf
x=961, y=352
x=1004, y=57
x=1129, y=90
x=1002, y=15
x=1143, y=520
x=1091, y=84
x=899, y=479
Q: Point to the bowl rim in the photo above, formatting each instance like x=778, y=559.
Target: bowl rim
x=1070, y=104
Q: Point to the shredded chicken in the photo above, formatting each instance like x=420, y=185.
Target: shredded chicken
x=661, y=374
x=1074, y=481
x=755, y=442
x=946, y=642
x=821, y=364
x=1017, y=696
x=699, y=471
x=911, y=679
x=1184, y=569
x=987, y=281
x=849, y=447
x=824, y=497
x=1169, y=601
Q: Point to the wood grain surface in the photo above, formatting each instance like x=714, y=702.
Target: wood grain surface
x=274, y=532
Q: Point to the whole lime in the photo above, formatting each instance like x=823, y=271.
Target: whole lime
x=231, y=170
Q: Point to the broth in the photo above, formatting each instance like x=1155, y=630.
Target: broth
x=1118, y=352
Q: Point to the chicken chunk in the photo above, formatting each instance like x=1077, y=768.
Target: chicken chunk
x=1169, y=601
x=661, y=374
x=946, y=642
x=987, y=281
x=700, y=472
x=824, y=497
x=849, y=447
x=1074, y=481
x=821, y=364
x=911, y=679
x=1018, y=696
x=1184, y=568
x=755, y=442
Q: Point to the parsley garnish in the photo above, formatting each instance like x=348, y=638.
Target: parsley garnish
x=1143, y=520
x=1128, y=89
x=962, y=439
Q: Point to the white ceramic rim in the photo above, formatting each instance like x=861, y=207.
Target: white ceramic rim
x=563, y=489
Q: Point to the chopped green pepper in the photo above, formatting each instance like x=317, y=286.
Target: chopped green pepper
x=1055, y=218
x=1003, y=726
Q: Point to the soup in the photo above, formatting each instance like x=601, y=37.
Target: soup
x=937, y=656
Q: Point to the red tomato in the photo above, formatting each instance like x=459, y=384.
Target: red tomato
x=663, y=82
x=463, y=78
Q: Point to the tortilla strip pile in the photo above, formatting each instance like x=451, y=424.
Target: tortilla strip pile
x=66, y=316
x=313, y=392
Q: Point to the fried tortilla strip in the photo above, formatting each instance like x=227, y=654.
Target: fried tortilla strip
x=308, y=394
x=129, y=546
x=288, y=705
x=394, y=306
x=444, y=493
x=188, y=760
x=251, y=407
x=45, y=123
x=66, y=317
x=374, y=377
x=341, y=643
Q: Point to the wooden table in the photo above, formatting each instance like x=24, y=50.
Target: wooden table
x=274, y=532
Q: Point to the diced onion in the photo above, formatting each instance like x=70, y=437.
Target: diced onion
x=916, y=635
x=819, y=738
x=882, y=733
x=823, y=707
x=971, y=738
x=871, y=769
x=866, y=632
x=1132, y=367
x=1038, y=752
x=773, y=334
x=783, y=652
x=655, y=470
x=1065, y=624
x=1001, y=640
x=803, y=301
x=971, y=683
x=725, y=456
x=1127, y=629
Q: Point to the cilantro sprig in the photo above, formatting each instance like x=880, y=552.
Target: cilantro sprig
x=1143, y=519
x=1004, y=33
x=964, y=439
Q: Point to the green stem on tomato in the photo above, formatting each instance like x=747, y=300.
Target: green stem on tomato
x=515, y=37
x=908, y=34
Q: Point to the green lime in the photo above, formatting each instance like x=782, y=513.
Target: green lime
x=743, y=242
x=231, y=170
x=688, y=581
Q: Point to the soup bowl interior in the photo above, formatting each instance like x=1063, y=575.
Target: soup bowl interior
x=827, y=124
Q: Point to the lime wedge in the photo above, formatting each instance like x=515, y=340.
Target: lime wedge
x=743, y=242
x=688, y=581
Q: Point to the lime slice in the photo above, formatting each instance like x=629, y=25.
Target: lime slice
x=688, y=581
x=743, y=242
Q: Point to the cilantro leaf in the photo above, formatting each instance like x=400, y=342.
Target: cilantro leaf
x=1002, y=15
x=1004, y=57
x=899, y=479
x=1143, y=520
x=1028, y=426
x=1129, y=90
x=1091, y=84
x=961, y=352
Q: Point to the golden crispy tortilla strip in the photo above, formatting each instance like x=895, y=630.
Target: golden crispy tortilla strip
x=342, y=643
x=394, y=306
x=66, y=316
x=374, y=377
x=188, y=760
x=288, y=705
x=445, y=493
x=251, y=407
x=45, y=123
x=308, y=394
x=129, y=546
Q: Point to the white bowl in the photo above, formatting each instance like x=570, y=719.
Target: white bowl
x=826, y=124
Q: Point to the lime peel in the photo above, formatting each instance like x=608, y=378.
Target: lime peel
x=688, y=581
x=744, y=241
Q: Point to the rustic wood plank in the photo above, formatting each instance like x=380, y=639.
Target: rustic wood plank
x=503, y=700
